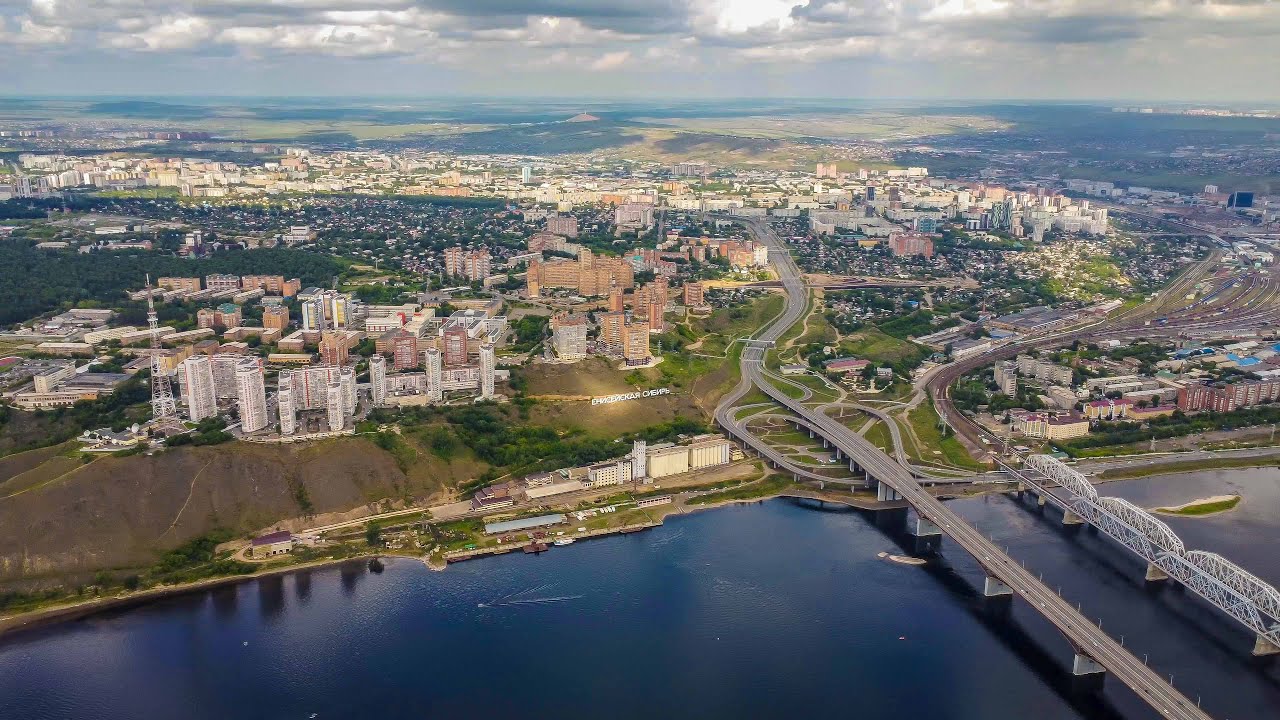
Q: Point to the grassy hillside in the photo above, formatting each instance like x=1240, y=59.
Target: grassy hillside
x=60, y=521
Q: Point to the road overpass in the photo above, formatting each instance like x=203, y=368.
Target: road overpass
x=1095, y=651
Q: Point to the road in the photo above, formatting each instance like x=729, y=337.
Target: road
x=1084, y=636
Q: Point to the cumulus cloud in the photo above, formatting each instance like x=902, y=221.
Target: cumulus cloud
x=709, y=36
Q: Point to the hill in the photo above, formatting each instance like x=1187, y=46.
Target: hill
x=124, y=512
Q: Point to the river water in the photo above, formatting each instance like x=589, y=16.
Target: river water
x=776, y=609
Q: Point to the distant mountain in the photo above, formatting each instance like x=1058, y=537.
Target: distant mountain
x=583, y=117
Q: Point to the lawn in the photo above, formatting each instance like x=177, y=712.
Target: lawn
x=879, y=436
x=878, y=347
x=925, y=423
x=768, y=487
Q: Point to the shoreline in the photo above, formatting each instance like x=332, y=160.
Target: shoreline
x=12, y=625
x=16, y=625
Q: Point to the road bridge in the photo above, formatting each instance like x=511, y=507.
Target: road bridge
x=1095, y=651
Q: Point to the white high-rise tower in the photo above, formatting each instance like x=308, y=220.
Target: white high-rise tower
x=337, y=418
x=378, y=379
x=285, y=405
x=252, y=396
x=197, y=382
x=347, y=376
x=486, y=371
x=435, y=372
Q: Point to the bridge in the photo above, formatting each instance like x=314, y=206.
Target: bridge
x=1095, y=651
x=1223, y=584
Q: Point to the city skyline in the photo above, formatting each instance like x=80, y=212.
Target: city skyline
x=1175, y=50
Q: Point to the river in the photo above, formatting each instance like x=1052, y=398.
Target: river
x=765, y=610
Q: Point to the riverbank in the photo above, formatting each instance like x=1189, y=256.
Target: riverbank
x=53, y=614
x=63, y=612
x=1187, y=466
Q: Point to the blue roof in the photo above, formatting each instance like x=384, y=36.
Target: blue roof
x=1233, y=357
x=1247, y=362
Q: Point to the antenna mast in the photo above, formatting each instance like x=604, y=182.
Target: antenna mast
x=163, y=407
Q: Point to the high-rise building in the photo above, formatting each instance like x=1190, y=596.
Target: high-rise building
x=569, y=335
x=333, y=348
x=313, y=314
x=224, y=375
x=455, y=261
x=635, y=342
x=404, y=351
x=347, y=379
x=196, y=379
x=566, y=225
x=252, y=396
x=616, y=301
x=611, y=325
x=657, y=304
x=339, y=309
x=694, y=294
x=454, y=344
x=310, y=385
x=487, y=370
x=378, y=378
x=337, y=417
x=526, y=174
x=435, y=375
x=285, y=407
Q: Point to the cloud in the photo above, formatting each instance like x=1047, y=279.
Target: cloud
x=914, y=41
x=610, y=61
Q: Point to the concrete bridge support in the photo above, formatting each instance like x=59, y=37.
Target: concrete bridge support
x=884, y=493
x=994, y=587
x=928, y=536
x=1155, y=573
x=1070, y=518
x=1084, y=666
x=1263, y=646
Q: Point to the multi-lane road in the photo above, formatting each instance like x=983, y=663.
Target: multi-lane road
x=1090, y=642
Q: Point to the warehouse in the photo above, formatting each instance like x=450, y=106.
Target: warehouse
x=529, y=523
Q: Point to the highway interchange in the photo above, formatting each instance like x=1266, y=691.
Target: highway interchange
x=1089, y=642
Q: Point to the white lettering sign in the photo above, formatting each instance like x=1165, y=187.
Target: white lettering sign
x=607, y=399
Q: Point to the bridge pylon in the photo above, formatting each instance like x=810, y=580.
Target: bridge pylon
x=1263, y=646
x=995, y=587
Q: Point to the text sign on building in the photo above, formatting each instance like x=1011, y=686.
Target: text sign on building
x=607, y=399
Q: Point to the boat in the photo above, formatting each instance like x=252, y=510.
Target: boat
x=563, y=541
x=535, y=547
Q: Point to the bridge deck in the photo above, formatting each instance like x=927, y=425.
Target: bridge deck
x=1086, y=638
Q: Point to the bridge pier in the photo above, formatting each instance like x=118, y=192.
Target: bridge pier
x=1264, y=646
x=885, y=493
x=1155, y=573
x=995, y=587
x=1082, y=664
x=1069, y=517
x=928, y=536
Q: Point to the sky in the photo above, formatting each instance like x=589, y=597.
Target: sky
x=1193, y=50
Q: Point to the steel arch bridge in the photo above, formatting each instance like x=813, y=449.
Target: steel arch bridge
x=1227, y=586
